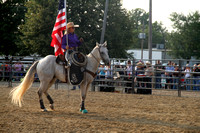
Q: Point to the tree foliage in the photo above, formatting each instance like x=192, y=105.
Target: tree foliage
x=12, y=15
x=89, y=15
x=39, y=22
x=26, y=27
x=41, y=16
x=184, y=41
x=138, y=17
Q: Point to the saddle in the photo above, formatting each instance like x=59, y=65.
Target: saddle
x=75, y=72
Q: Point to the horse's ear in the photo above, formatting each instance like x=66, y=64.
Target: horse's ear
x=105, y=44
x=97, y=44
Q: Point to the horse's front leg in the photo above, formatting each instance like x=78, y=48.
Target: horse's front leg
x=84, y=88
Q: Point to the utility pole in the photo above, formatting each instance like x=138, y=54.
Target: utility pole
x=142, y=43
x=104, y=22
x=150, y=31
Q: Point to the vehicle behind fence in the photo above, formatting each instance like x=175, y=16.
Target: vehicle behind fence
x=124, y=75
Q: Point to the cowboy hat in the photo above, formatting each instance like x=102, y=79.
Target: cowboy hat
x=71, y=24
x=148, y=63
x=139, y=64
x=187, y=65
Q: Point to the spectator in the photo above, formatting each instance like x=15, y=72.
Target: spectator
x=175, y=76
x=139, y=74
x=102, y=73
x=129, y=69
x=108, y=72
x=18, y=68
x=196, y=77
x=168, y=73
x=158, y=69
x=7, y=69
x=187, y=76
x=148, y=74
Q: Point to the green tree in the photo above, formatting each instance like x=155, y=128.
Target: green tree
x=39, y=22
x=89, y=15
x=118, y=31
x=137, y=18
x=159, y=34
x=12, y=15
x=184, y=40
x=41, y=16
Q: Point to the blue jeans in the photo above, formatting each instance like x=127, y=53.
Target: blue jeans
x=196, y=81
x=187, y=82
x=74, y=87
x=158, y=81
x=175, y=81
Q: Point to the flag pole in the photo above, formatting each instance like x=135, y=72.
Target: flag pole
x=65, y=4
x=66, y=54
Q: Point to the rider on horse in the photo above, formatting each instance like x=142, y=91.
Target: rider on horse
x=73, y=41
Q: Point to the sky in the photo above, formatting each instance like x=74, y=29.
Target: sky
x=161, y=9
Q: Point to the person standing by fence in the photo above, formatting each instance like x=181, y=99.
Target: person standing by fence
x=148, y=75
x=187, y=76
x=196, y=77
x=129, y=69
x=158, y=71
x=175, y=76
x=18, y=70
x=139, y=74
x=169, y=69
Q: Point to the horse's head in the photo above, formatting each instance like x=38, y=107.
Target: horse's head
x=104, y=53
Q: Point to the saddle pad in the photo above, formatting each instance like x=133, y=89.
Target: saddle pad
x=76, y=74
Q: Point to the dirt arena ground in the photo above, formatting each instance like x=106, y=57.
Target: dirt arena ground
x=108, y=112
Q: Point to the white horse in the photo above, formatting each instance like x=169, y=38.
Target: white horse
x=48, y=71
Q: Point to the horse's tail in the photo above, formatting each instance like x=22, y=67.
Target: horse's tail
x=18, y=92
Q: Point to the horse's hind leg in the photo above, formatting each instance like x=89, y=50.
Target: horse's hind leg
x=48, y=96
x=42, y=88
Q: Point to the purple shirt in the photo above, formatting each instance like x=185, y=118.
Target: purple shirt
x=73, y=41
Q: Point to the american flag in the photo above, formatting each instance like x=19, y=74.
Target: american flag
x=58, y=28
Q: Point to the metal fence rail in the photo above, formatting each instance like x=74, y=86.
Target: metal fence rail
x=122, y=76
x=139, y=81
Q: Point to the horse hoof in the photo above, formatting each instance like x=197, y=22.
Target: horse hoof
x=84, y=111
x=44, y=110
x=51, y=106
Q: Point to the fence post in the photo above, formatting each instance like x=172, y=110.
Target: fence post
x=133, y=72
x=179, y=78
x=93, y=86
x=10, y=73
